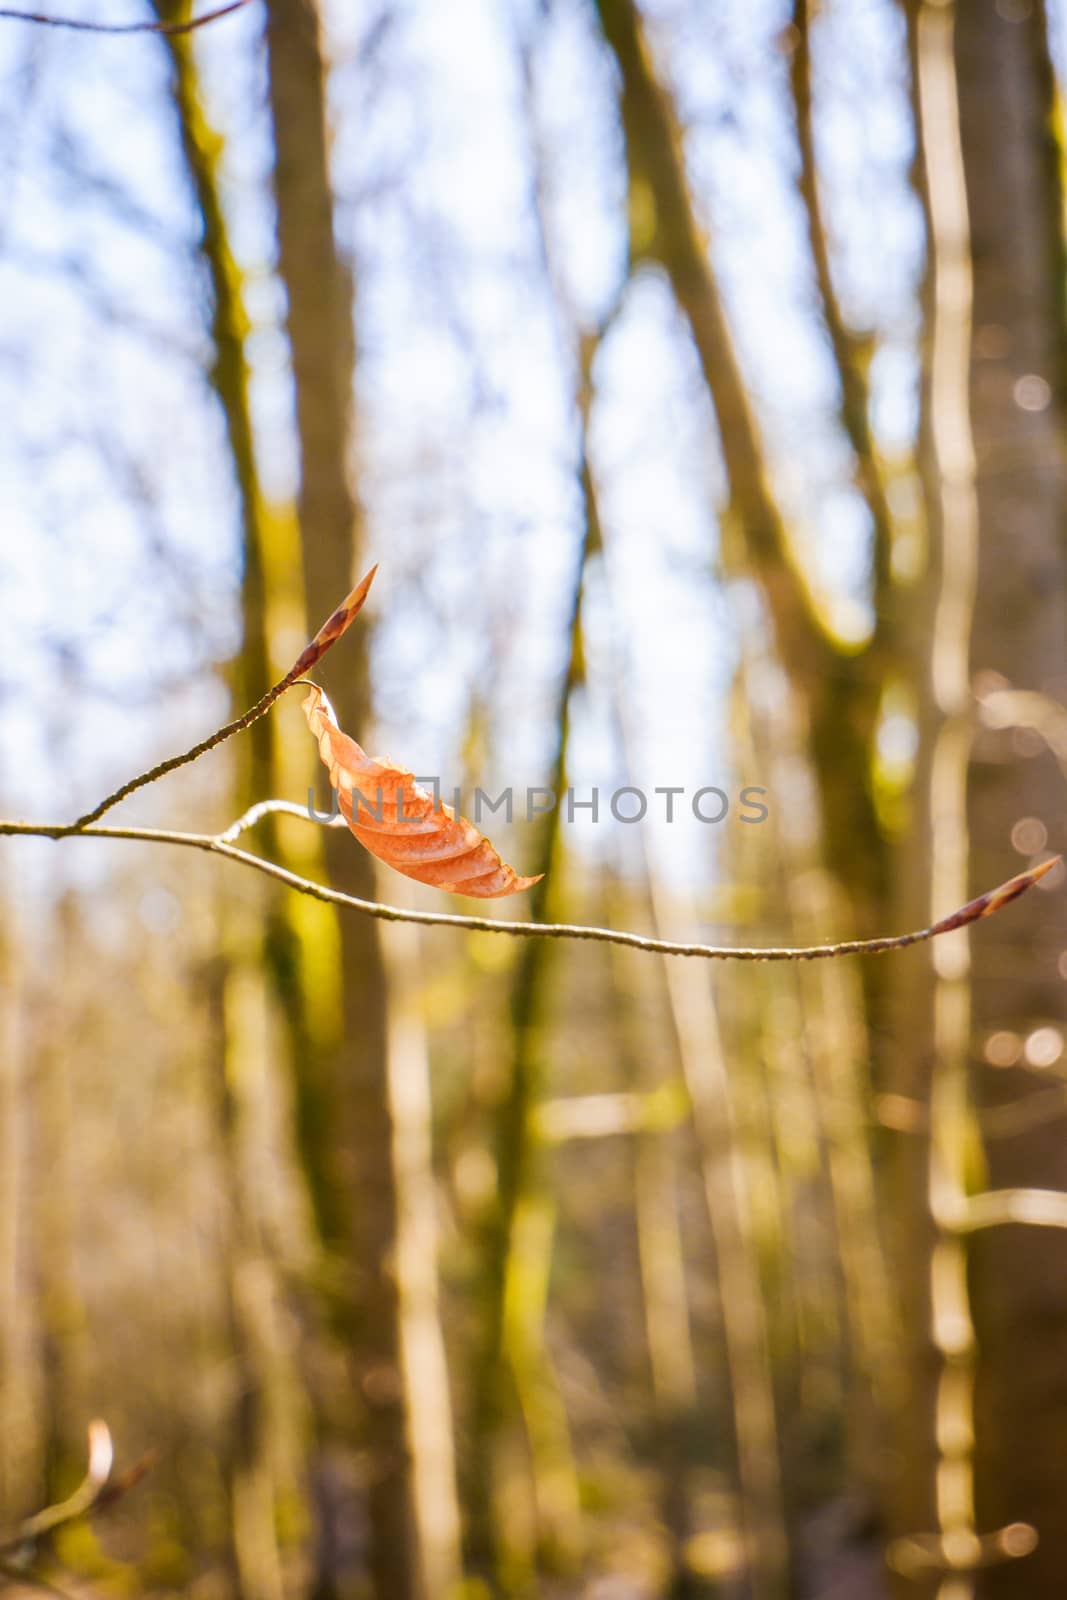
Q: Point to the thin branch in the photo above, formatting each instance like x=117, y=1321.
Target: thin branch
x=1038, y=1208
x=1019, y=1116
x=269, y=808
x=82, y=25
x=97, y=1490
x=328, y=635
x=603, y=1116
x=986, y=905
x=850, y=351
x=1027, y=708
x=905, y=1114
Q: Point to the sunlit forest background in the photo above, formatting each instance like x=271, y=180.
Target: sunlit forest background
x=696, y=372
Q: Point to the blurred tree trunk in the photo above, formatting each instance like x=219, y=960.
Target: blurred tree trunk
x=831, y=1025
x=346, y=1122
x=511, y=1361
x=293, y=953
x=60, y=1307
x=851, y=351
x=661, y=1252
x=1008, y=114
x=238, y=979
x=838, y=690
x=239, y=1057
x=726, y=1166
x=727, y=1161
x=422, y=1343
x=12, y=1377
x=509, y=1358
x=933, y=1157
x=992, y=457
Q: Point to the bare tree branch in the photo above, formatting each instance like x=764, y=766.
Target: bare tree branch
x=99, y=1489
x=328, y=635
x=82, y=25
x=1037, y=1208
x=273, y=808
x=986, y=905
x=850, y=352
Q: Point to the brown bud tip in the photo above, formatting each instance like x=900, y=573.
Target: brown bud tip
x=1043, y=867
x=1018, y=885
x=332, y=629
x=361, y=591
x=347, y=611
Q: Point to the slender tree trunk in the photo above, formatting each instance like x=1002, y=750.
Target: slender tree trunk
x=521, y=1225
x=1008, y=112
x=518, y=1184
x=912, y=1064
x=13, y=1409
x=425, y=1364
x=993, y=468
x=664, y=1290
x=850, y=351
x=240, y=988
x=60, y=1307
x=239, y=1054
x=947, y=1331
x=346, y=1123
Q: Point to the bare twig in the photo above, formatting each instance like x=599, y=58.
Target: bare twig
x=97, y=1490
x=1027, y=708
x=1036, y=1208
x=1019, y=1116
x=850, y=351
x=986, y=905
x=328, y=635
x=83, y=25
x=269, y=808
x=904, y=1114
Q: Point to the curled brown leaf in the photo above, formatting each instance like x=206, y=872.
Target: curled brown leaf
x=401, y=822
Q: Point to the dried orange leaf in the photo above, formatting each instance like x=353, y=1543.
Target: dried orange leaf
x=402, y=823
